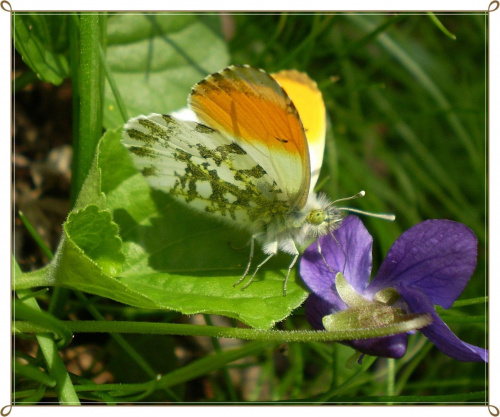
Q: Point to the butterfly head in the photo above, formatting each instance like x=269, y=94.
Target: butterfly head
x=323, y=216
x=316, y=217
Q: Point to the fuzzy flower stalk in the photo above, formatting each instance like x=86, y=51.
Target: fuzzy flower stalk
x=430, y=264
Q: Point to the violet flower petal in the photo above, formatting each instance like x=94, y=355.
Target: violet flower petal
x=436, y=256
x=387, y=346
x=352, y=239
x=438, y=332
x=316, y=308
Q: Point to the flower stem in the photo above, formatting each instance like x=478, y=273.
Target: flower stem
x=213, y=331
x=391, y=376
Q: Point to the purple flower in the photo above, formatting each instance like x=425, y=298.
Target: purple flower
x=431, y=263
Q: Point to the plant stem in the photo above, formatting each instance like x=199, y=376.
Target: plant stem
x=34, y=234
x=74, y=56
x=91, y=91
x=225, y=372
x=391, y=376
x=210, y=331
x=441, y=27
x=113, y=86
x=55, y=365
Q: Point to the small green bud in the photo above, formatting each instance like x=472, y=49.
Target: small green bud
x=387, y=296
x=375, y=317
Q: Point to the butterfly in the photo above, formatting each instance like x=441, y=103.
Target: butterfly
x=251, y=157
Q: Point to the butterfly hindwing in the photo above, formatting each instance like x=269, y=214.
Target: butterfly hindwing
x=201, y=167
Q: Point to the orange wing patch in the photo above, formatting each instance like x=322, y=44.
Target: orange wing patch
x=250, y=106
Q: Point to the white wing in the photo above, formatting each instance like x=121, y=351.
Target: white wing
x=201, y=167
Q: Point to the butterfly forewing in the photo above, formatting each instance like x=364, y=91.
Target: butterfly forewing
x=249, y=106
x=308, y=101
x=201, y=167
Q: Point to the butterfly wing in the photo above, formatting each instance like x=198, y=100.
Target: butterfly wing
x=252, y=109
x=201, y=167
x=309, y=103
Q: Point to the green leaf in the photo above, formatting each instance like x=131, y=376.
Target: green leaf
x=82, y=267
x=96, y=234
x=90, y=192
x=184, y=260
x=155, y=60
x=175, y=258
x=34, y=373
x=42, y=42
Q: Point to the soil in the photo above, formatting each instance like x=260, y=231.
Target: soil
x=42, y=165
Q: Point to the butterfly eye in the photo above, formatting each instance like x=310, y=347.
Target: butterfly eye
x=316, y=217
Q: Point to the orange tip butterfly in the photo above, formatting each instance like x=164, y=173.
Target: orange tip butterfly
x=250, y=155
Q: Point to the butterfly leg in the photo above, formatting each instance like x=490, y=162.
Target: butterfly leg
x=257, y=270
x=295, y=257
x=252, y=245
x=323, y=256
x=343, y=251
x=270, y=249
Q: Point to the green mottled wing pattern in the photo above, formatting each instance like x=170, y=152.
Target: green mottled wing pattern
x=205, y=169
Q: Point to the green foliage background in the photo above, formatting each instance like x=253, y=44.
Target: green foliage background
x=406, y=103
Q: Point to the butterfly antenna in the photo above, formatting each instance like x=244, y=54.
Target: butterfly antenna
x=352, y=197
x=384, y=216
